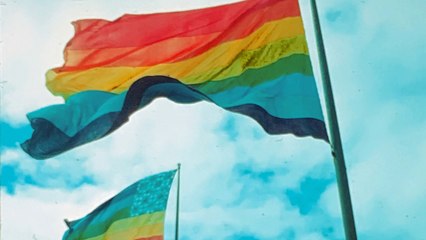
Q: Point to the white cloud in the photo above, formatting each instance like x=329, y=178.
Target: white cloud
x=35, y=213
x=386, y=177
x=221, y=222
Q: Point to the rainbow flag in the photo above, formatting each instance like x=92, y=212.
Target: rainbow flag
x=136, y=213
x=248, y=57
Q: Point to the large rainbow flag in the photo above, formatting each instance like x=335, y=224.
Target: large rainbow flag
x=248, y=57
x=136, y=213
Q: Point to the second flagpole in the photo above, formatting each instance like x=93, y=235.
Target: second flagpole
x=177, y=203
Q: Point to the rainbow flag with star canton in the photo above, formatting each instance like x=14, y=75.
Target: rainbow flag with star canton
x=248, y=57
x=136, y=213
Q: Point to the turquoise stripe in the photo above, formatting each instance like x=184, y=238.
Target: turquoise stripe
x=292, y=96
x=79, y=110
x=120, y=204
x=84, y=107
x=116, y=209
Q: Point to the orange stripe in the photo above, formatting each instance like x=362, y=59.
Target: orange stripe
x=151, y=238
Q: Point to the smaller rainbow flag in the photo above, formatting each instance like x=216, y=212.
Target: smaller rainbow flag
x=136, y=213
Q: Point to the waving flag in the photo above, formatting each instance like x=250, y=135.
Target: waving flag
x=136, y=213
x=249, y=57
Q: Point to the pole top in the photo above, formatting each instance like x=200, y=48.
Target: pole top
x=67, y=222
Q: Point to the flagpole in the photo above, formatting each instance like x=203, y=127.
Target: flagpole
x=335, y=141
x=67, y=223
x=177, y=203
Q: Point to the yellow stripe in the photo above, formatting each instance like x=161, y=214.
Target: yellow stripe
x=146, y=225
x=207, y=66
x=118, y=79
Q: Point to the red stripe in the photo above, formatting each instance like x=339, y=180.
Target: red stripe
x=151, y=238
x=170, y=50
x=143, y=30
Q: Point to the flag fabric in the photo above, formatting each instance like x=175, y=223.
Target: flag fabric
x=136, y=213
x=248, y=57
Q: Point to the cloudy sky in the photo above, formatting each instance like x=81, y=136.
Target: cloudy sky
x=237, y=181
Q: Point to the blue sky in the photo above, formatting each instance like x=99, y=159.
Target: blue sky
x=237, y=181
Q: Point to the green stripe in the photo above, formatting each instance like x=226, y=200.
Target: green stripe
x=97, y=226
x=297, y=63
x=256, y=58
